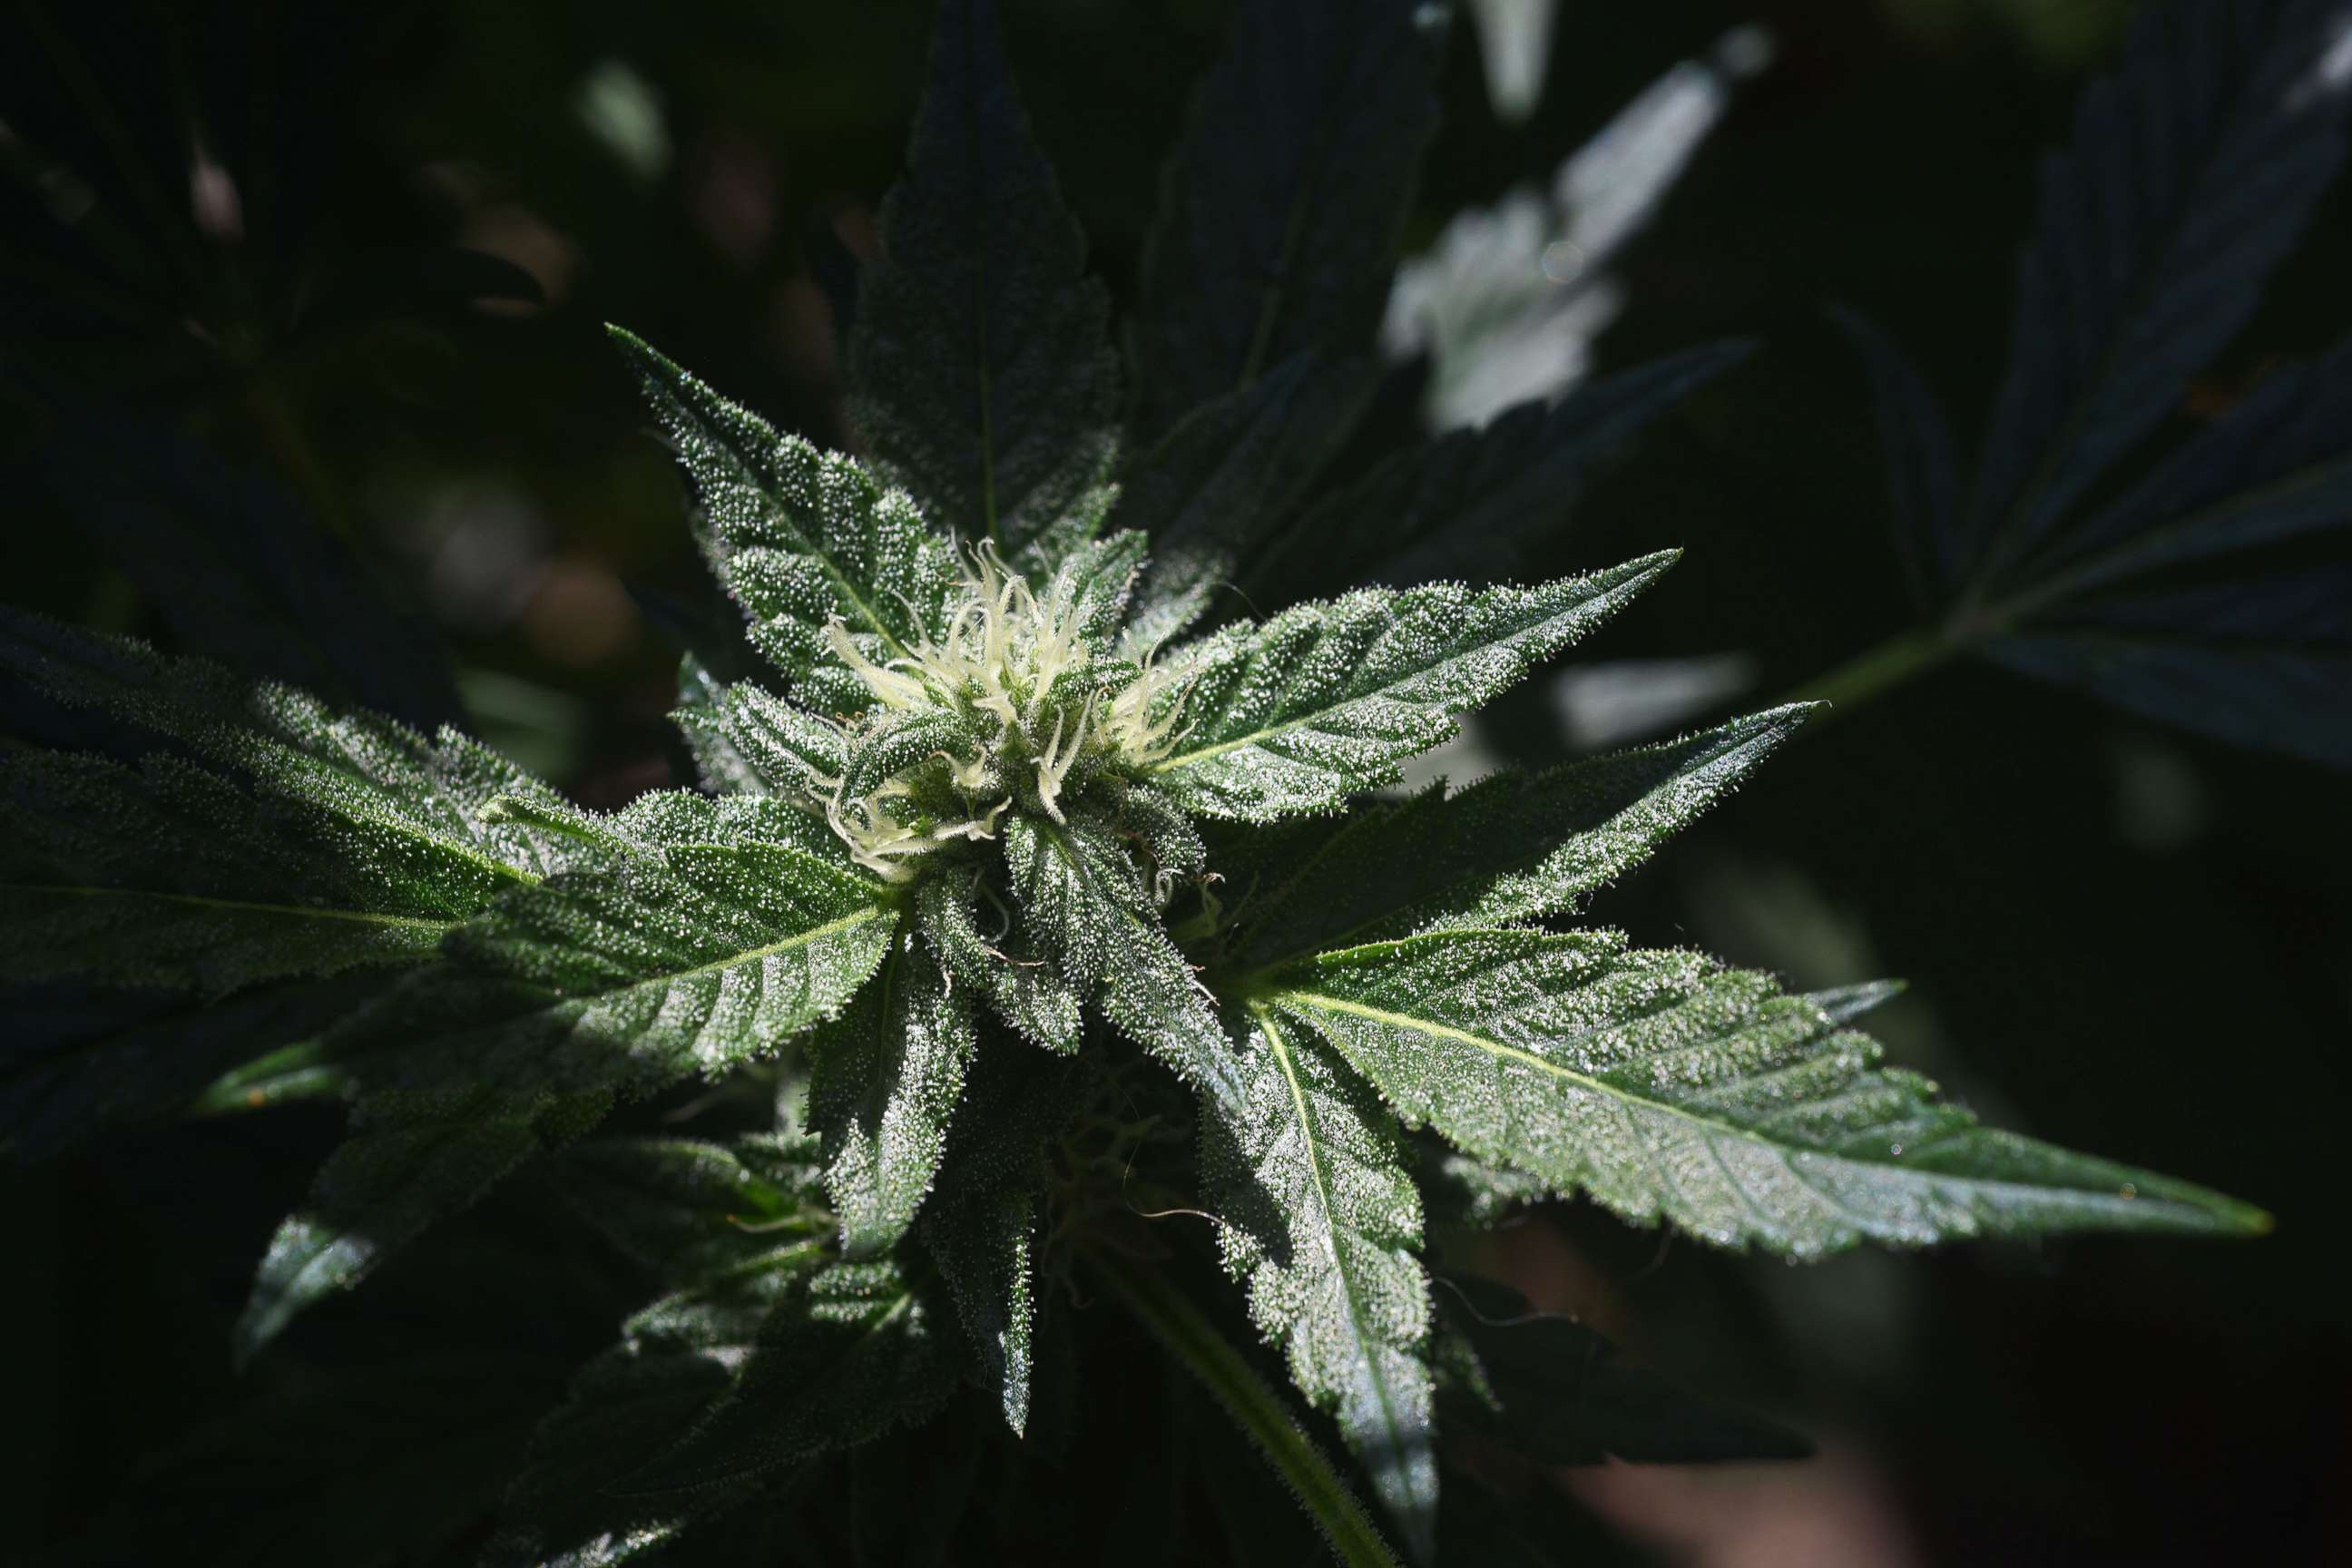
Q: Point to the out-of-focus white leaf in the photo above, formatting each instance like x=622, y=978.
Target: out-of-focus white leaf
x=1509, y=302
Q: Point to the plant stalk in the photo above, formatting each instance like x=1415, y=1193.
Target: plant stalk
x=1881, y=670
x=1263, y=1416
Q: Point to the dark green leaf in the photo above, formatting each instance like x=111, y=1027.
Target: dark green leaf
x=171, y=876
x=561, y=997
x=982, y=1232
x=1211, y=493
x=1462, y=505
x=980, y=366
x=1021, y=982
x=1278, y=224
x=675, y=1361
x=1512, y=848
x=1557, y=1392
x=1923, y=480
x=855, y=1352
x=2193, y=170
x=403, y=814
x=690, y=1209
x=2267, y=690
x=2278, y=464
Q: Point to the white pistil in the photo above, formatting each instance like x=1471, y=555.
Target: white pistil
x=1009, y=657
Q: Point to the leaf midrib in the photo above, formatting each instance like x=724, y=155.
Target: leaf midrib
x=1595, y=589
x=671, y=373
x=309, y=912
x=799, y=938
x=2224, y=1215
x=1331, y=1223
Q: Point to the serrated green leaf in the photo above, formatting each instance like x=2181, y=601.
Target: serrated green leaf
x=1320, y=1217
x=673, y=820
x=404, y=815
x=171, y=876
x=1325, y=699
x=2276, y=685
x=790, y=751
x=982, y=1231
x=886, y=1080
x=980, y=369
x=1082, y=899
x=1022, y=984
x=722, y=767
x=1097, y=579
x=987, y=1253
x=858, y=1351
x=74, y=1064
x=1843, y=1004
x=675, y=1360
x=1462, y=505
x=1512, y=848
x=175, y=877
x=592, y=985
x=1559, y=1393
x=2192, y=171
x=410, y=1159
x=799, y=536
x=1210, y=492
x=893, y=743
x=1279, y=218
x=1915, y=439
x=1669, y=1088
x=690, y=1209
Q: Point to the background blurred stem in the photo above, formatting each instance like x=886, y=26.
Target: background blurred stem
x=1257, y=1410
x=1892, y=663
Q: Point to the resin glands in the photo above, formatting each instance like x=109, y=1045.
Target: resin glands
x=1019, y=701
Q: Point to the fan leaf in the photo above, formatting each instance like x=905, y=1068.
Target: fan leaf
x=1325, y=699
x=1463, y=504
x=886, y=1080
x=1511, y=847
x=1081, y=899
x=982, y=376
x=407, y=816
x=2193, y=170
x=1279, y=219
x=800, y=537
x=171, y=876
x=853, y=1353
x=1669, y=1088
x=594, y=985
x=1322, y=1219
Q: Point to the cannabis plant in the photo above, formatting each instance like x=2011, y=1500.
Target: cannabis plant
x=1052, y=903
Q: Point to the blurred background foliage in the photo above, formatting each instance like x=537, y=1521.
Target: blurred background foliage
x=300, y=326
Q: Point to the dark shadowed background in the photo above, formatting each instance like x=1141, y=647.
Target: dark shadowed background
x=300, y=309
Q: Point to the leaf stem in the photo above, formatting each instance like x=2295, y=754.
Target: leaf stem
x=1881, y=670
x=1263, y=1417
x=298, y=1071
